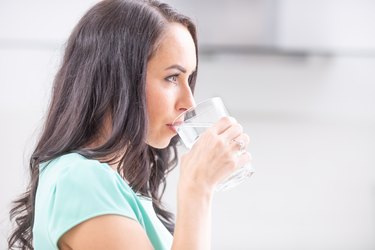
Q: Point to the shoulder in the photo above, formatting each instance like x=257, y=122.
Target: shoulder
x=74, y=163
x=76, y=189
x=77, y=171
x=77, y=176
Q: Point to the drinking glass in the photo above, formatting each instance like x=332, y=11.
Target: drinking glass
x=194, y=121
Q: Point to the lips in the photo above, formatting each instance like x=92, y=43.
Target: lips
x=171, y=127
x=174, y=125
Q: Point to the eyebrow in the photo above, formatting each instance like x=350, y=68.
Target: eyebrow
x=176, y=66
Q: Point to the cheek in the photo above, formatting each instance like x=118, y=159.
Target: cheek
x=156, y=99
x=157, y=109
x=158, y=95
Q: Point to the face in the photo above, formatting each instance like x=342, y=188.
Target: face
x=168, y=93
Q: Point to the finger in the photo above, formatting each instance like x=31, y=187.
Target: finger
x=232, y=132
x=238, y=145
x=242, y=139
x=223, y=124
x=243, y=159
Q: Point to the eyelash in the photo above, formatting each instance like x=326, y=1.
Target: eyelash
x=169, y=78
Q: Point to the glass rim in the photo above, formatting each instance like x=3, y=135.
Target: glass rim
x=211, y=99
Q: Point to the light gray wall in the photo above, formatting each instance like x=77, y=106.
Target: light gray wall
x=311, y=120
x=313, y=144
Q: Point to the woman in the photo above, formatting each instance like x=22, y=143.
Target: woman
x=98, y=171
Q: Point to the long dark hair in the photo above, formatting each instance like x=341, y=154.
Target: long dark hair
x=103, y=74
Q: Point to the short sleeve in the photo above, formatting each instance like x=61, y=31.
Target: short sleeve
x=87, y=190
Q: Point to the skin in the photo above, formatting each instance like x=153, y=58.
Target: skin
x=167, y=87
x=212, y=158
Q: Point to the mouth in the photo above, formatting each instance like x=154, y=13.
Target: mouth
x=173, y=126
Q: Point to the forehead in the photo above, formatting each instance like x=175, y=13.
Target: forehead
x=176, y=46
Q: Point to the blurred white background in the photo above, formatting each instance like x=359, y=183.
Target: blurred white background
x=300, y=77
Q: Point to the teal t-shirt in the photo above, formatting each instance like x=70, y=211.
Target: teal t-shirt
x=72, y=189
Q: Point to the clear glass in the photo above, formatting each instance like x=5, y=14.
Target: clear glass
x=194, y=121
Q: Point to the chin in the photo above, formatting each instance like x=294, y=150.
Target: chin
x=160, y=144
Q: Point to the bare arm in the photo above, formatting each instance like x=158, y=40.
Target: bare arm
x=106, y=232
x=212, y=158
x=193, y=221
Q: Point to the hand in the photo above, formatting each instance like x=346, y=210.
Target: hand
x=214, y=156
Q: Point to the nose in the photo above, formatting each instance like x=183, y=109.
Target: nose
x=186, y=99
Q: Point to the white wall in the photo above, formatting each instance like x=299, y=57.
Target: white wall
x=311, y=120
x=337, y=25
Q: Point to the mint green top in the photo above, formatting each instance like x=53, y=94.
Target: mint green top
x=72, y=189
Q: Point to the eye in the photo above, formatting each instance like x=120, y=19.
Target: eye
x=173, y=79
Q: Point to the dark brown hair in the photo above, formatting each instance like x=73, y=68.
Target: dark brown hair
x=103, y=73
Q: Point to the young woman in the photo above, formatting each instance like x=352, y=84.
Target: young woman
x=98, y=171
